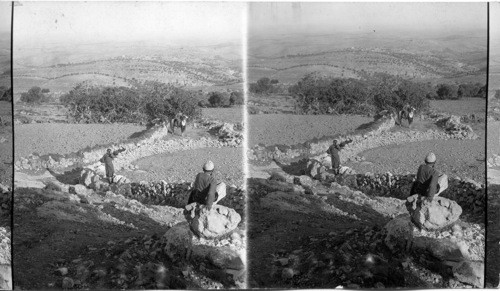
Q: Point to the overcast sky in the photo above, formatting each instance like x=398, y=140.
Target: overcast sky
x=364, y=17
x=495, y=27
x=43, y=22
x=5, y=14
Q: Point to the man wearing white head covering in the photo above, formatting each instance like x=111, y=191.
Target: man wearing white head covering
x=206, y=190
x=427, y=180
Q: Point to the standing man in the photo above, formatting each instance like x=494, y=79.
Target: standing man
x=333, y=151
x=107, y=159
x=427, y=180
x=206, y=191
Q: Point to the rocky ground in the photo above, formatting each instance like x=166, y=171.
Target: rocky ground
x=133, y=236
x=316, y=233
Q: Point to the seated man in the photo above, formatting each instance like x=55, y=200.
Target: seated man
x=206, y=191
x=427, y=182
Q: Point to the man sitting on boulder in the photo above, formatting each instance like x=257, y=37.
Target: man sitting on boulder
x=206, y=191
x=427, y=182
x=333, y=151
x=107, y=159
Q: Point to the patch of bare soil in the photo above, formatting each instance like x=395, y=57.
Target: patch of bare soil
x=60, y=138
x=184, y=165
x=462, y=158
x=290, y=129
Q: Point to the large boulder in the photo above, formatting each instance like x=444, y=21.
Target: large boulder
x=431, y=215
x=219, y=221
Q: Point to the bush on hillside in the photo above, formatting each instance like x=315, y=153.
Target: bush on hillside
x=34, y=96
x=5, y=94
x=236, y=98
x=142, y=103
x=315, y=94
x=218, y=99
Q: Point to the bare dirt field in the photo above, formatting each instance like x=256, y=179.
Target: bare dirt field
x=231, y=115
x=463, y=106
x=59, y=138
x=463, y=158
x=184, y=165
x=288, y=129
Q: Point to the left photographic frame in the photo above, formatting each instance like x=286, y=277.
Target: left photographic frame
x=129, y=145
x=6, y=146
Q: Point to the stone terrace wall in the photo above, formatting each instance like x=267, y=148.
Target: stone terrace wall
x=152, y=142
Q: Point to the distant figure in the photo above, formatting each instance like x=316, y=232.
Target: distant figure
x=107, y=159
x=206, y=191
x=427, y=182
x=180, y=120
x=333, y=151
x=407, y=113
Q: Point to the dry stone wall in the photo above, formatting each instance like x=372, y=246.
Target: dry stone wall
x=152, y=142
x=376, y=135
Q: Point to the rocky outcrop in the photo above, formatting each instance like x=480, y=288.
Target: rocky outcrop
x=217, y=222
x=432, y=215
x=227, y=255
x=460, y=248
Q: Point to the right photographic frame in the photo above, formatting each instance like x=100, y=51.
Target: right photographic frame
x=493, y=150
x=366, y=145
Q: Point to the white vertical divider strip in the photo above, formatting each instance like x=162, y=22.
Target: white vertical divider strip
x=244, y=52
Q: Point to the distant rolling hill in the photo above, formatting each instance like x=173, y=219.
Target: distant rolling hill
x=63, y=66
x=447, y=59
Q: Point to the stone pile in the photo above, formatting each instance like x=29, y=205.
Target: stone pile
x=453, y=126
x=217, y=222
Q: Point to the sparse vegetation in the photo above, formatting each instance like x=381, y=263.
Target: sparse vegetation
x=218, y=99
x=5, y=94
x=35, y=95
x=236, y=98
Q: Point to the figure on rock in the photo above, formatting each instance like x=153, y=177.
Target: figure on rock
x=206, y=191
x=333, y=151
x=107, y=159
x=429, y=182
